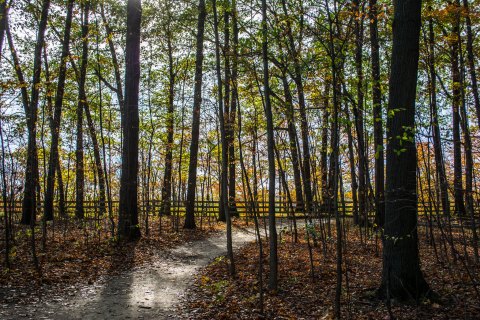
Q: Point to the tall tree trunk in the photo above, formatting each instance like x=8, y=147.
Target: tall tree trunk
x=167, y=178
x=437, y=144
x=62, y=73
x=358, y=115
x=377, y=118
x=273, y=277
x=61, y=189
x=226, y=103
x=3, y=27
x=31, y=173
x=128, y=228
x=224, y=141
x=82, y=102
x=401, y=275
x=456, y=101
x=233, y=111
x=335, y=157
x=197, y=101
x=102, y=137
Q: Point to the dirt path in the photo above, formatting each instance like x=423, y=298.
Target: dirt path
x=148, y=292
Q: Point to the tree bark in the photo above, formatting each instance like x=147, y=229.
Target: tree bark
x=358, y=115
x=197, y=101
x=82, y=101
x=55, y=127
x=273, y=277
x=377, y=118
x=31, y=173
x=167, y=178
x=128, y=228
x=233, y=111
x=224, y=141
x=401, y=275
x=456, y=101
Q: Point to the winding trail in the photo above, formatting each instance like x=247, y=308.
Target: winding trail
x=152, y=291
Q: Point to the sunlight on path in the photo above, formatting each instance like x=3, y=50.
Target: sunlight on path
x=148, y=292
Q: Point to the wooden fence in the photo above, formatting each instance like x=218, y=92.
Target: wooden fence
x=207, y=208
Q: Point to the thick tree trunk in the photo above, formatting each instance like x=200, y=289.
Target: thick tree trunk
x=401, y=275
x=31, y=173
x=62, y=73
x=197, y=101
x=128, y=228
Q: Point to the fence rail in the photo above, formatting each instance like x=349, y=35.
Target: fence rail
x=211, y=208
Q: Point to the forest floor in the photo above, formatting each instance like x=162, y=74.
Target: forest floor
x=140, y=281
x=215, y=295
x=184, y=275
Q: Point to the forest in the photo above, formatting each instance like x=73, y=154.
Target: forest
x=239, y=159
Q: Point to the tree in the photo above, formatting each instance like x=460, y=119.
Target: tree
x=273, y=277
x=377, y=117
x=167, y=178
x=128, y=228
x=224, y=141
x=29, y=204
x=437, y=144
x=197, y=101
x=297, y=78
x=401, y=275
x=53, y=161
